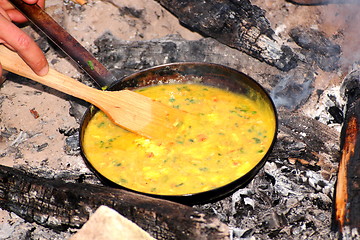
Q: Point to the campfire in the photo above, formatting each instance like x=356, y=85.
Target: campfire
x=304, y=56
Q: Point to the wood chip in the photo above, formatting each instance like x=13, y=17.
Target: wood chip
x=81, y=2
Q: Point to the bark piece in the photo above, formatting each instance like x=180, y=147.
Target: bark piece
x=236, y=23
x=59, y=205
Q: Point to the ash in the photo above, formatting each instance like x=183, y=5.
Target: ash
x=282, y=202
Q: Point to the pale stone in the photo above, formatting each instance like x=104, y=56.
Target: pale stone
x=106, y=224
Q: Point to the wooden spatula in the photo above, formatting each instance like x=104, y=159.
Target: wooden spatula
x=130, y=110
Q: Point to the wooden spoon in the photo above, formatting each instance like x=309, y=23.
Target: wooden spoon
x=130, y=110
x=135, y=112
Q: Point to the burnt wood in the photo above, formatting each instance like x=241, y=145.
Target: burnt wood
x=59, y=205
x=347, y=194
x=317, y=48
x=305, y=141
x=236, y=23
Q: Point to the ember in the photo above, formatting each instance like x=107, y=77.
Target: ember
x=292, y=197
x=34, y=113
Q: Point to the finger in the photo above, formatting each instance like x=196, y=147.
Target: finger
x=8, y=11
x=41, y=3
x=4, y=14
x=6, y=5
x=16, y=16
x=31, y=1
x=24, y=46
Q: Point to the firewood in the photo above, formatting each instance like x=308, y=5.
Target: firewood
x=347, y=194
x=60, y=205
x=238, y=24
x=317, y=48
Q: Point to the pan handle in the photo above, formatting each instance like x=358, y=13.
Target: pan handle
x=67, y=43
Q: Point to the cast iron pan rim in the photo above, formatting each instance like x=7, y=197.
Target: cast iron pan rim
x=201, y=197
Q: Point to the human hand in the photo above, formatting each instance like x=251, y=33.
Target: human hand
x=17, y=40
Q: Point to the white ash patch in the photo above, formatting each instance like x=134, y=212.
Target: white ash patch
x=329, y=98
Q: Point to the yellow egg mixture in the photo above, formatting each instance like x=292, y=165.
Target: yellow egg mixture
x=226, y=135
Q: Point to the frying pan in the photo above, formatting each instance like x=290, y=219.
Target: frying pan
x=207, y=73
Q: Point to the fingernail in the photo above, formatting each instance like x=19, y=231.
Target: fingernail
x=43, y=71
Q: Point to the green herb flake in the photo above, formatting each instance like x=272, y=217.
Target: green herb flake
x=179, y=185
x=204, y=169
x=172, y=99
x=102, y=124
x=257, y=140
x=190, y=100
x=123, y=180
x=90, y=64
x=186, y=88
x=117, y=164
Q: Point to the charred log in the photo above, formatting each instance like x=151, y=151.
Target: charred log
x=317, y=48
x=305, y=141
x=347, y=195
x=236, y=23
x=59, y=205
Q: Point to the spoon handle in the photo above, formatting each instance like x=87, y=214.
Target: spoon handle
x=11, y=62
x=67, y=43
